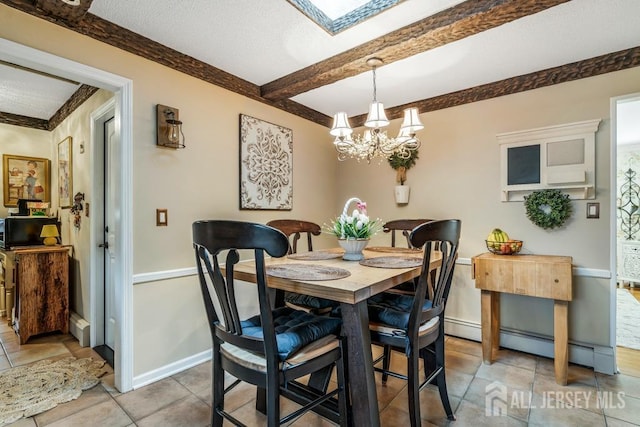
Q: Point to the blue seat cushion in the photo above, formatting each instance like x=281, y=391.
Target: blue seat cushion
x=392, y=309
x=309, y=301
x=294, y=329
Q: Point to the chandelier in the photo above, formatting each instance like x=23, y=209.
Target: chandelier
x=375, y=142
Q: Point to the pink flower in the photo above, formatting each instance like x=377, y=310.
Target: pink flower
x=362, y=207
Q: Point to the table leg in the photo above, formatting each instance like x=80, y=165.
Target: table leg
x=561, y=340
x=364, y=400
x=490, y=320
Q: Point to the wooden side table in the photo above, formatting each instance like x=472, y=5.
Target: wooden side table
x=542, y=276
x=42, y=291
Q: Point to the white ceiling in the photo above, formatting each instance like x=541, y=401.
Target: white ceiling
x=263, y=40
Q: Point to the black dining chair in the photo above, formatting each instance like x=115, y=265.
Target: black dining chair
x=293, y=229
x=274, y=348
x=404, y=228
x=414, y=325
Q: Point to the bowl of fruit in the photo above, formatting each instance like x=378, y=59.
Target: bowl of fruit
x=498, y=242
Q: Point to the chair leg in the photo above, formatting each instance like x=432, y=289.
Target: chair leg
x=441, y=378
x=217, y=387
x=273, y=399
x=386, y=363
x=413, y=387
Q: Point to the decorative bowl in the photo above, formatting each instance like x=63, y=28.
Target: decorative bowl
x=504, y=248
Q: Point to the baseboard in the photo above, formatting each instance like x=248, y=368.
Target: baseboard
x=170, y=369
x=601, y=359
x=79, y=328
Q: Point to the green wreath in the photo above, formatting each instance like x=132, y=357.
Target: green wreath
x=548, y=208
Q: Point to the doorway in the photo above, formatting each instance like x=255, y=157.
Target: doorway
x=123, y=247
x=626, y=230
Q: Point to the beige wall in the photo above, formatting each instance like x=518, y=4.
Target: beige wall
x=457, y=175
x=198, y=182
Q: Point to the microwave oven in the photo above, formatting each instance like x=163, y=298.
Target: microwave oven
x=24, y=231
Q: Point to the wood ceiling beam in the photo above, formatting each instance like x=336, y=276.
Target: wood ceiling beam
x=70, y=13
x=450, y=25
x=24, y=121
x=591, y=67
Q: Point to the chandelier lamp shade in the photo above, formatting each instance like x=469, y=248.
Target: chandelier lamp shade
x=375, y=142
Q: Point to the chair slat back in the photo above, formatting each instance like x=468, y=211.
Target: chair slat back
x=293, y=228
x=210, y=239
x=444, y=236
x=404, y=227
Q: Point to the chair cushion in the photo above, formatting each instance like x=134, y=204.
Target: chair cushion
x=392, y=309
x=294, y=329
x=309, y=301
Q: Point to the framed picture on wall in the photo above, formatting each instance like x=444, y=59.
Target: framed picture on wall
x=25, y=177
x=65, y=173
x=266, y=165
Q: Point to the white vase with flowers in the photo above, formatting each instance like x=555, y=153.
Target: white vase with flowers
x=355, y=230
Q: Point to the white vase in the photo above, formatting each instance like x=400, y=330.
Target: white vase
x=353, y=248
x=402, y=194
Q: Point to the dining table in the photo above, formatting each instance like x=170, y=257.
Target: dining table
x=325, y=274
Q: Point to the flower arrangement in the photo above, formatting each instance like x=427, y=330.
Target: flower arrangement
x=358, y=225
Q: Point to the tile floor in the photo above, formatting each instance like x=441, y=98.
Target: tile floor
x=532, y=396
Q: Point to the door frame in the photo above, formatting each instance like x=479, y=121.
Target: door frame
x=123, y=96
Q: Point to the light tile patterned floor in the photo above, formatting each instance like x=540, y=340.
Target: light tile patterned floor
x=532, y=396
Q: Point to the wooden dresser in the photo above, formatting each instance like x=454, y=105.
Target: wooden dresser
x=41, y=290
x=543, y=276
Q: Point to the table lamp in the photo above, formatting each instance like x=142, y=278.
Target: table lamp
x=50, y=234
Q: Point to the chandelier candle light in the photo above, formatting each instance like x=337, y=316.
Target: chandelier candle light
x=375, y=142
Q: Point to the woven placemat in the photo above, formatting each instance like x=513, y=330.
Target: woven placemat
x=315, y=255
x=307, y=272
x=394, y=250
x=392, y=262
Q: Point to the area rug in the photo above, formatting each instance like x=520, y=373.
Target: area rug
x=627, y=320
x=29, y=390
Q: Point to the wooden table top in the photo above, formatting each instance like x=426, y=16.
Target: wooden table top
x=362, y=283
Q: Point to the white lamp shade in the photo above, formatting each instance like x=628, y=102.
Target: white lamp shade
x=411, y=123
x=377, y=118
x=341, y=127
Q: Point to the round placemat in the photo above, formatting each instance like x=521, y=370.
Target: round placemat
x=315, y=255
x=392, y=262
x=391, y=249
x=307, y=272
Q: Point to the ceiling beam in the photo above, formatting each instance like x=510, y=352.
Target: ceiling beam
x=24, y=121
x=602, y=64
x=450, y=25
x=78, y=98
x=70, y=11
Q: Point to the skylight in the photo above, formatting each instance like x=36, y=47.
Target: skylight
x=335, y=16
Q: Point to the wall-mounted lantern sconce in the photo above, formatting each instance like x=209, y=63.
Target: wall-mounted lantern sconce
x=169, y=127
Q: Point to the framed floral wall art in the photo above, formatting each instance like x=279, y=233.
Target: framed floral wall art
x=65, y=173
x=24, y=178
x=266, y=165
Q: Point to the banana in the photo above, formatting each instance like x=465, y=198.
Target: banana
x=497, y=237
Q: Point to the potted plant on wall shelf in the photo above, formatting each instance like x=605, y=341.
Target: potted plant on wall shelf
x=401, y=165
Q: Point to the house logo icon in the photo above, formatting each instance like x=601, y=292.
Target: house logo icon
x=495, y=400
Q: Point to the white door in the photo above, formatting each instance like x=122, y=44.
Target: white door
x=110, y=141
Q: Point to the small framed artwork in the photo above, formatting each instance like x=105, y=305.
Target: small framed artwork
x=25, y=177
x=65, y=173
x=266, y=165
x=593, y=210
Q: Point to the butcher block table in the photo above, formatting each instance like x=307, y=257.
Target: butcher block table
x=542, y=276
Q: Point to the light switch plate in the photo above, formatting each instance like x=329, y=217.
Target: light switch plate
x=161, y=217
x=593, y=210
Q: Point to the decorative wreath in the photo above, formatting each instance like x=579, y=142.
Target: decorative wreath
x=548, y=208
